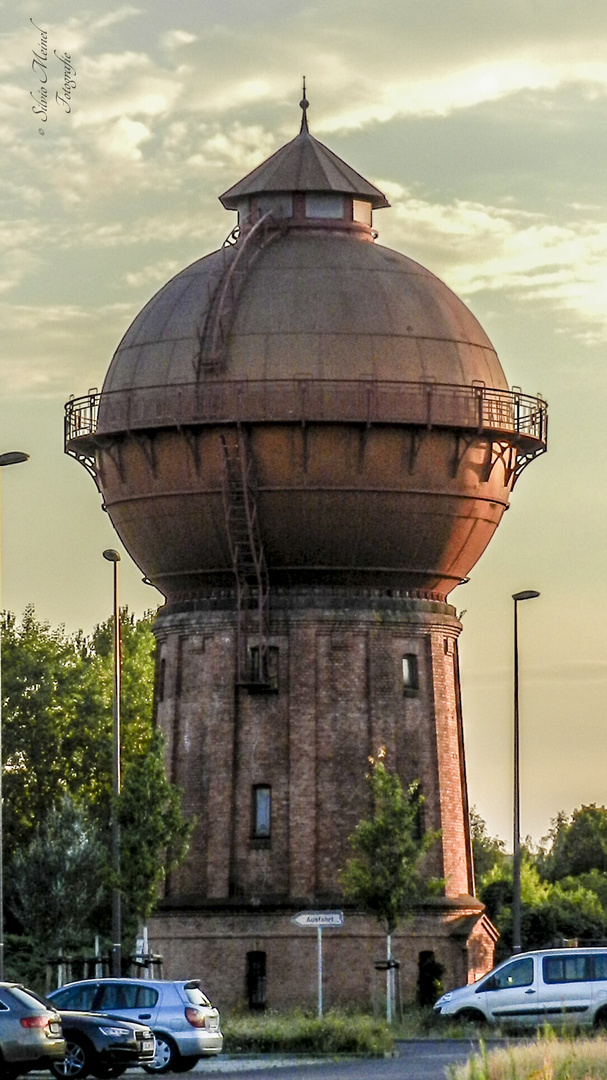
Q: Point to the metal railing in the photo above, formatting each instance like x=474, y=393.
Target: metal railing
x=307, y=400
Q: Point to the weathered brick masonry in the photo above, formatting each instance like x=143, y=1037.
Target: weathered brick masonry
x=339, y=697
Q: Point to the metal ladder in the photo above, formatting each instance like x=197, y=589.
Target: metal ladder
x=238, y=254
x=248, y=561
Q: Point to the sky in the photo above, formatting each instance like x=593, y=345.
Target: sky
x=486, y=127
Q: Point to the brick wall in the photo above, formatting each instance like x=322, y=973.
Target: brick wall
x=340, y=696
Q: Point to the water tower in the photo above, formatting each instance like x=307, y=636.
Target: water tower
x=306, y=441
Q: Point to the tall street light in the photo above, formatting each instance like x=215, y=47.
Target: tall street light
x=14, y=457
x=114, y=557
x=527, y=594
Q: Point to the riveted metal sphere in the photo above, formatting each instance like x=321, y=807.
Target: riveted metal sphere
x=359, y=398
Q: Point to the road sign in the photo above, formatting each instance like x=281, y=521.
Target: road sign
x=318, y=918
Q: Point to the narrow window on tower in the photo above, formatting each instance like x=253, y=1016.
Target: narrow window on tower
x=410, y=674
x=263, y=668
x=262, y=811
x=161, y=678
x=256, y=979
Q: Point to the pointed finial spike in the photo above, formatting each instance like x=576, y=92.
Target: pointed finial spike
x=304, y=105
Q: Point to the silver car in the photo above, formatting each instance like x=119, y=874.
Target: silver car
x=182, y=1018
x=30, y=1032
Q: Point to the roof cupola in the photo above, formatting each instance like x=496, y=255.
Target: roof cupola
x=305, y=185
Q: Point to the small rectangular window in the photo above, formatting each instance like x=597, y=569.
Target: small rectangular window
x=263, y=667
x=564, y=969
x=161, y=678
x=280, y=203
x=262, y=811
x=600, y=966
x=410, y=674
x=319, y=205
x=361, y=211
x=256, y=979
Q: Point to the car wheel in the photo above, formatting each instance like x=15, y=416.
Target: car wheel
x=166, y=1058
x=471, y=1016
x=75, y=1064
x=600, y=1020
x=184, y=1064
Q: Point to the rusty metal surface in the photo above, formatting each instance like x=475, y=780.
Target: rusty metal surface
x=381, y=507
x=315, y=307
x=384, y=437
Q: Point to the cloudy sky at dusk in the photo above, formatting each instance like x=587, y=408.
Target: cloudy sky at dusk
x=486, y=127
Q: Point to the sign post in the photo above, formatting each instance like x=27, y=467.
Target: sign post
x=319, y=919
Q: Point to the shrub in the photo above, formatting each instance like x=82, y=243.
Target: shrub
x=297, y=1033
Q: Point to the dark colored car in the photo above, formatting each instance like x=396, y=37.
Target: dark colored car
x=30, y=1032
x=102, y=1046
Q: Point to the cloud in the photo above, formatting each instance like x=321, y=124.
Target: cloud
x=67, y=345
x=478, y=247
x=123, y=139
x=174, y=39
x=153, y=273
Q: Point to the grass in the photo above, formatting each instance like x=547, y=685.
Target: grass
x=336, y=1032
x=548, y=1058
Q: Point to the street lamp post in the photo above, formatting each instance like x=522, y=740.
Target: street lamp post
x=14, y=457
x=114, y=557
x=527, y=594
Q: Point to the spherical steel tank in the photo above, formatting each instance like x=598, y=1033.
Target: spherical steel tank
x=334, y=393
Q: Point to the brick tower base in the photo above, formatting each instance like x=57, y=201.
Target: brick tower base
x=274, y=775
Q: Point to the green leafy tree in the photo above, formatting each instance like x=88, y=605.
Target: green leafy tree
x=384, y=875
x=488, y=851
x=47, y=754
x=578, y=844
x=154, y=834
x=57, y=741
x=57, y=879
x=550, y=911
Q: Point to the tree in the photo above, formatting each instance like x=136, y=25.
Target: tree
x=488, y=851
x=578, y=844
x=384, y=876
x=154, y=834
x=57, y=727
x=57, y=879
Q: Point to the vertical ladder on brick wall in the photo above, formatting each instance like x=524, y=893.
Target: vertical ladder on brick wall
x=248, y=560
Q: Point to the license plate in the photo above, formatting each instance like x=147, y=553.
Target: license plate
x=147, y=1044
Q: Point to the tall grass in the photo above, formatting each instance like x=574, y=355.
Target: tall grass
x=297, y=1033
x=548, y=1058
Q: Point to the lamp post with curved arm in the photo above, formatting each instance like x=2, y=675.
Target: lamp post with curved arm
x=527, y=594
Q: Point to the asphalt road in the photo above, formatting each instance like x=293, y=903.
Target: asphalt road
x=416, y=1060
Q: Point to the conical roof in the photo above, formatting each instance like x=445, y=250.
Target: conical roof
x=304, y=164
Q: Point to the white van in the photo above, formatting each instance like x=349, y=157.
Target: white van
x=549, y=986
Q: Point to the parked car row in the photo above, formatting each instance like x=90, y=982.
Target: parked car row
x=101, y=1027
